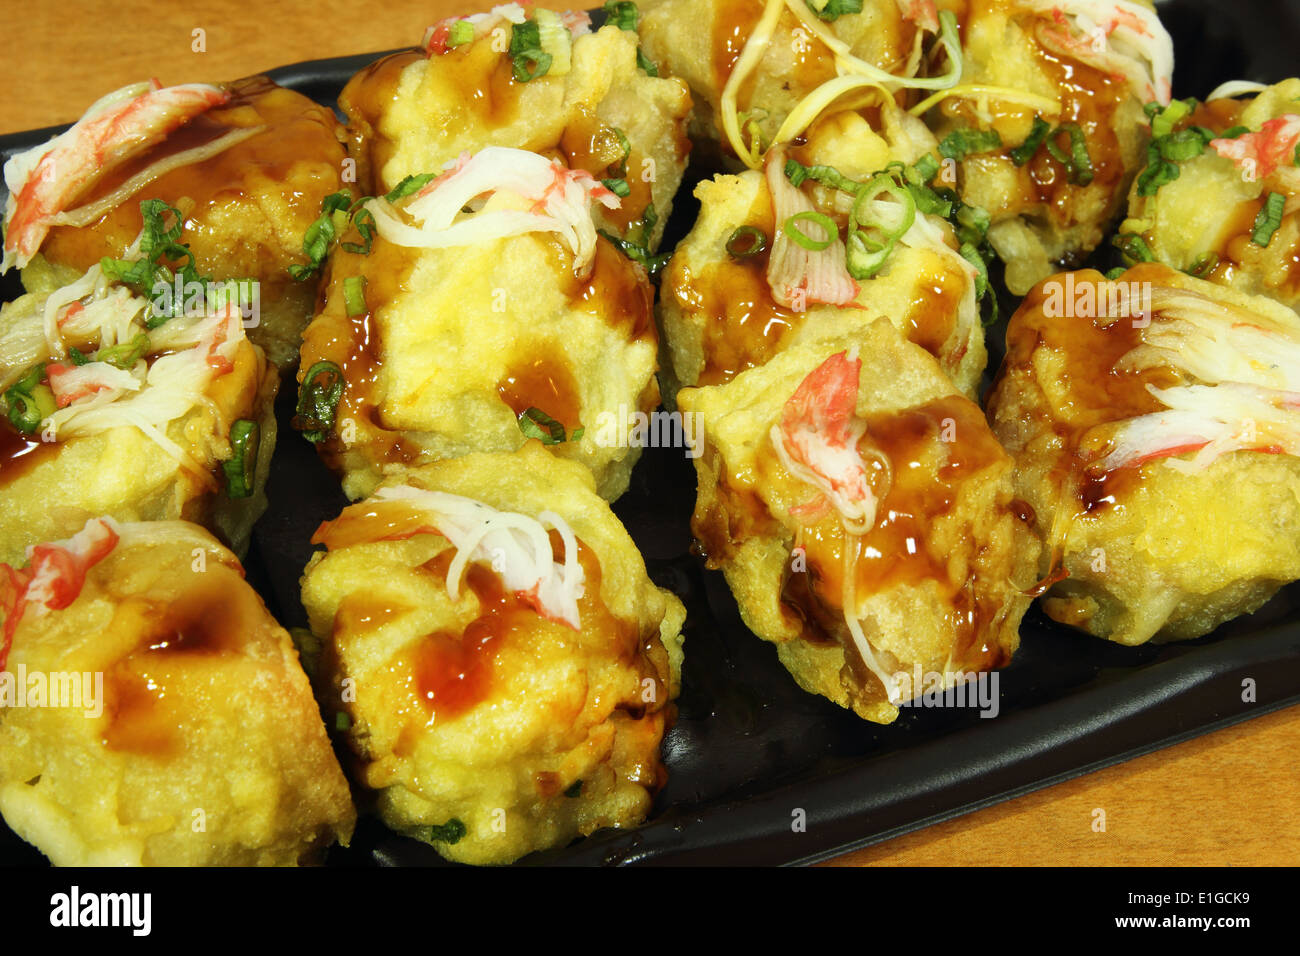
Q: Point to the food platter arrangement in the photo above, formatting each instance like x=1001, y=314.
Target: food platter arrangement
x=726, y=432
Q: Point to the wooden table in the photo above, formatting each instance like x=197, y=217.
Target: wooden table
x=1232, y=797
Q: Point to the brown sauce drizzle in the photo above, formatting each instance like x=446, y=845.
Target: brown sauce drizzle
x=1093, y=392
x=214, y=617
x=19, y=454
x=927, y=475
x=545, y=383
x=298, y=132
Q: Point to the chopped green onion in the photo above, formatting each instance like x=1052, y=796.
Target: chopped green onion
x=318, y=401
x=1269, y=219
x=746, y=242
x=125, y=354
x=1164, y=119
x=320, y=235
x=24, y=413
x=1204, y=265
x=829, y=176
x=528, y=60
x=411, y=184
x=637, y=246
x=33, y=378
x=354, y=295
x=971, y=253
x=621, y=13
x=449, y=832
x=618, y=187
x=1077, y=162
x=792, y=230
x=364, y=220
x=158, y=241
x=535, y=423
x=964, y=142
x=1158, y=172
x=646, y=64
x=926, y=167
x=342, y=721
x=78, y=357
x=462, y=32
x=1185, y=144
x=241, y=467
x=1113, y=274
x=1026, y=150
x=834, y=9
x=867, y=253
x=1133, y=247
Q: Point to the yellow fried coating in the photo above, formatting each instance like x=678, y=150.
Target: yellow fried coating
x=938, y=578
x=1204, y=221
x=701, y=42
x=411, y=114
x=1153, y=550
x=202, y=744
x=457, y=343
x=487, y=729
x=49, y=489
x=1039, y=215
x=246, y=208
x=718, y=312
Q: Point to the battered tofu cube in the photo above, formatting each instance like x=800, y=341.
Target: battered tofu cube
x=507, y=679
x=154, y=713
x=1153, y=424
x=592, y=108
x=724, y=309
x=863, y=516
x=1229, y=213
x=173, y=422
x=475, y=347
x=701, y=42
x=1063, y=86
x=246, y=207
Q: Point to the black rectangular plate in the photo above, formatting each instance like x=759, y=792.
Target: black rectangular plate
x=749, y=748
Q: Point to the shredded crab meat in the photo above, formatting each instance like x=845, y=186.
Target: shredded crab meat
x=1246, y=392
x=800, y=277
x=45, y=179
x=516, y=546
x=1117, y=36
x=510, y=192
x=1262, y=153
x=818, y=441
x=97, y=396
x=54, y=577
x=852, y=72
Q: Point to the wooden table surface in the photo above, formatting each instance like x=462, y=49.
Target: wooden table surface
x=1232, y=797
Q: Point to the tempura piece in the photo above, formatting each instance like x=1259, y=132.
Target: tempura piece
x=116, y=408
x=1046, y=128
x=506, y=666
x=760, y=71
x=862, y=514
x=756, y=274
x=1219, y=194
x=248, y=163
x=486, y=311
x=1155, y=422
x=526, y=79
x=152, y=713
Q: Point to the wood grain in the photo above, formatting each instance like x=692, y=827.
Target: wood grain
x=1229, y=798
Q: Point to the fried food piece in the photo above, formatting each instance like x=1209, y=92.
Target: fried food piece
x=703, y=42
x=1053, y=80
x=416, y=111
x=177, y=727
x=107, y=416
x=1154, y=428
x=726, y=308
x=863, y=516
x=472, y=330
x=255, y=162
x=508, y=678
x=1228, y=214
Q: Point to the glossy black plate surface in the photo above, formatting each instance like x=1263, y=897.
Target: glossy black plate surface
x=750, y=750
